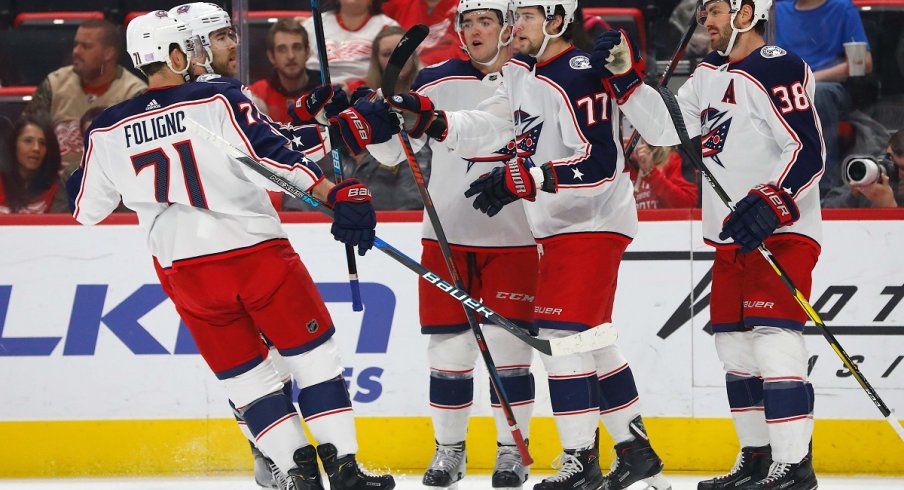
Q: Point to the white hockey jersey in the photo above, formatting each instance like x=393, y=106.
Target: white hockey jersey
x=563, y=115
x=758, y=125
x=191, y=200
x=457, y=85
x=348, y=52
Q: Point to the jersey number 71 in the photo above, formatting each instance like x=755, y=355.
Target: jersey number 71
x=161, y=163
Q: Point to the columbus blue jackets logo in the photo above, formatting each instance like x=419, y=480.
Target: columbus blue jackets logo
x=524, y=145
x=715, y=133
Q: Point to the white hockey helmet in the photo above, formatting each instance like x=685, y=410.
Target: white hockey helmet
x=501, y=6
x=149, y=37
x=549, y=8
x=760, y=14
x=202, y=19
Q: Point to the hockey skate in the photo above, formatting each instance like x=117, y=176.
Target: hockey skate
x=787, y=476
x=263, y=469
x=509, y=472
x=447, y=466
x=306, y=474
x=751, y=466
x=635, y=461
x=579, y=469
x=346, y=473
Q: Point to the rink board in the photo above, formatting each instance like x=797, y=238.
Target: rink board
x=98, y=376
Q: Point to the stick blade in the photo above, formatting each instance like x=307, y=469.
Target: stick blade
x=590, y=340
x=404, y=50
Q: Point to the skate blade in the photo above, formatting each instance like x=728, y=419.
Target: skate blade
x=453, y=486
x=655, y=482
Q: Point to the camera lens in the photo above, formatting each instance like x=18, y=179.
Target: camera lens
x=856, y=171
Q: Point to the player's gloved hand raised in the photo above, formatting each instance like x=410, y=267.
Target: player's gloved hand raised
x=505, y=185
x=354, y=218
x=318, y=105
x=419, y=115
x=364, y=123
x=756, y=217
x=618, y=63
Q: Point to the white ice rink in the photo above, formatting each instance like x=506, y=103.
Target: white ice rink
x=404, y=482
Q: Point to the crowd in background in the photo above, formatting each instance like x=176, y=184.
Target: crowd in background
x=44, y=146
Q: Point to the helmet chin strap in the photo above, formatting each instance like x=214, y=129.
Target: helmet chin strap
x=734, y=35
x=499, y=45
x=547, y=37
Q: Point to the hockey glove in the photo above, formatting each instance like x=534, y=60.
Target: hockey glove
x=354, y=218
x=756, y=217
x=505, y=185
x=365, y=92
x=365, y=123
x=619, y=64
x=419, y=115
x=319, y=105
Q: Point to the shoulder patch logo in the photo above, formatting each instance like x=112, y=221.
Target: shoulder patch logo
x=207, y=77
x=772, y=52
x=729, y=97
x=580, y=63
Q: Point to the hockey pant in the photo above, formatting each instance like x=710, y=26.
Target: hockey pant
x=590, y=386
x=452, y=358
x=770, y=398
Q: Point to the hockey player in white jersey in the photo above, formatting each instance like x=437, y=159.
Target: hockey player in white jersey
x=569, y=164
x=752, y=105
x=497, y=258
x=221, y=252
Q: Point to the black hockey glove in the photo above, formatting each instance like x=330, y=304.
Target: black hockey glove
x=354, y=218
x=505, y=185
x=419, y=115
x=618, y=63
x=756, y=217
x=318, y=105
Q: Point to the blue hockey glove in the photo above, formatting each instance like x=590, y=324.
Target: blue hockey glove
x=505, y=185
x=365, y=123
x=364, y=92
x=419, y=115
x=618, y=62
x=318, y=105
x=354, y=218
x=756, y=217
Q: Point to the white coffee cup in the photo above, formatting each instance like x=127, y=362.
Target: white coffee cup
x=856, y=58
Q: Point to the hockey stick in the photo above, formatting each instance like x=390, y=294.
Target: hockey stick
x=400, y=55
x=595, y=338
x=695, y=156
x=334, y=149
x=665, y=77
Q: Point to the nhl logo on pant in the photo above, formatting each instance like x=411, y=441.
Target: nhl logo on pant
x=312, y=326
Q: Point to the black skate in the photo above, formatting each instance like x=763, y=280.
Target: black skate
x=346, y=474
x=635, y=461
x=263, y=469
x=579, y=469
x=787, y=476
x=751, y=466
x=306, y=474
x=447, y=467
x=509, y=472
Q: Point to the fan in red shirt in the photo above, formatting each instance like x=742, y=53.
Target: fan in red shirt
x=442, y=43
x=658, y=181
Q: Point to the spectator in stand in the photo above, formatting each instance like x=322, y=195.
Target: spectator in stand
x=384, y=44
x=658, y=182
x=816, y=30
x=288, y=49
x=349, y=27
x=30, y=170
x=442, y=43
x=887, y=192
x=94, y=79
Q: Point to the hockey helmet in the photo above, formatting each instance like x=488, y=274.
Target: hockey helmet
x=202, y=19
x=501, y=6
x=760, y=14
x=149, y=37
x=549, y=8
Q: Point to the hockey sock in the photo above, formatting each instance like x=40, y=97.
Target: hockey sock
x=276, y=428
x=745, y=398
x=575, y=407
x=243, y=427
x=618, y=393
x=327, y=410
x=789, y=415
x=518, y=384
x=451, y=398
